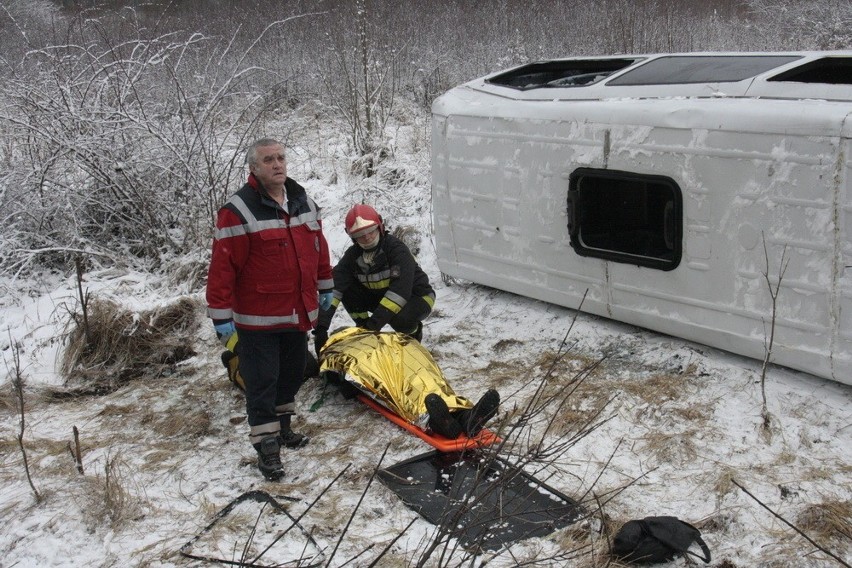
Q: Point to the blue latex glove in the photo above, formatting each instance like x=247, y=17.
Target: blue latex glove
x=225, y=330
x=325, y=300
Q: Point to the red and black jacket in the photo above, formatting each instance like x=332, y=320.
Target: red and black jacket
x=269, y=262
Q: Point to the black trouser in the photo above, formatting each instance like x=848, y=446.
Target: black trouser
x=406, y=321
x=272, y=364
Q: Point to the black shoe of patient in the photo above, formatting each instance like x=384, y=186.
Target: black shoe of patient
x=440, y=420
x=482, y=412
x=226, y=357
x=344, y=387
x=347, y=391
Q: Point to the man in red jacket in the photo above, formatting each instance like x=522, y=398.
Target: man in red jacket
x=269, y=274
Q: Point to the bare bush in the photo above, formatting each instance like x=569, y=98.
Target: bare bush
x=364, y=73
x=826, y=24
x=125, y=345
x=17, y=379
x=125, y=147
x=769, y=342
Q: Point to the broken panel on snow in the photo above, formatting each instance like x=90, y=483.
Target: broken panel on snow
x=488, y=501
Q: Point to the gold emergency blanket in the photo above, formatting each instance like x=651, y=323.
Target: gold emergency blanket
x=392, y=368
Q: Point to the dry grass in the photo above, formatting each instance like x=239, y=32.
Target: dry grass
x=122, y=345
x=8, y=399
x=787, y=456
x=673, y=423
x=119, y=410
x=575, y=382
x=515, y=367
x=505, y=344
x=724, y=485
x=38, y=449
x=164, y=453
x=108, y=499
x=499, y=374
x=827, y=521
x=590, y=546
x=671, y=447
x=190, y=424
x=190, y=272
x=579, y=411
x=719, y=523
x=657, y=388
x=563, y=367
x=822, y=474
x=697, y=412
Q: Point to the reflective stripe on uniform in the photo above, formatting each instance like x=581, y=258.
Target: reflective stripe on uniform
x=261, y=431
x=220, y=313
x=247, y=319
x=228, y=232
x=311, y=218
x=393, y=301
x=376, y=280
x=390, y=305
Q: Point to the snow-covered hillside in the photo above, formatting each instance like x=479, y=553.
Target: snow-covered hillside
x=678, y=426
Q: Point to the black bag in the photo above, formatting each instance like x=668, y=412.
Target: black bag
x=655, y=540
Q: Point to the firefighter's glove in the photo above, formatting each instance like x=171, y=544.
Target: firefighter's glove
x=224, y=330
x=325, y=300
x=320, y=337
x=371, y=325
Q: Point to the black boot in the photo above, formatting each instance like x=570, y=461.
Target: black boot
x=269, y=458
x=345, y=388
x=290, y=439
x=232, y=364
x=482, y=412
x=440, y=420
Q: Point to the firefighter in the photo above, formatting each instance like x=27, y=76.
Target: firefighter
x=378, y=281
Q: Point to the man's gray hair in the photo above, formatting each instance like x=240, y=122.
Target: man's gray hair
x=251, y=153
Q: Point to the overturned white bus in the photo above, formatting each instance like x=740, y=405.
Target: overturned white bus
x=657, y=183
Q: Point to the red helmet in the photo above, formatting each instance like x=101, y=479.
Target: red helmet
x=361, y=219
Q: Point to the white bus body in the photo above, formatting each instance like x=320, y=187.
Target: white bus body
x=660, y=185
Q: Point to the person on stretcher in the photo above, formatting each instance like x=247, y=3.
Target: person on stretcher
x=401, y=375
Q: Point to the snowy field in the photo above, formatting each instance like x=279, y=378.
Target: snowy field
x=678, y=426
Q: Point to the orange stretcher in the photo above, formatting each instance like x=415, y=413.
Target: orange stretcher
x=484, y=438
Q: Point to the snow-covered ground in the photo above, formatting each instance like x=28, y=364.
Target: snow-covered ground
x=679, y=424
